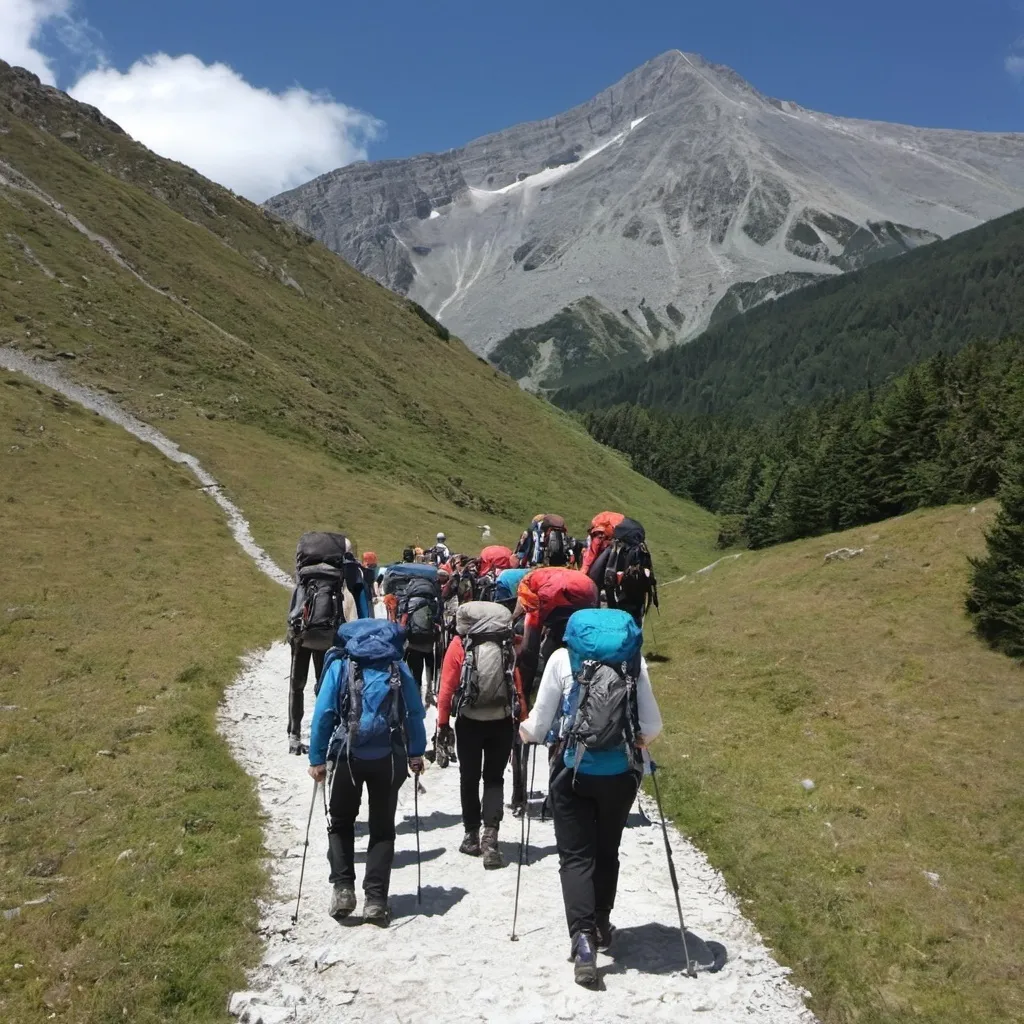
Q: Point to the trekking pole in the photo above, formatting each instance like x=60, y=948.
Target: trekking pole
x=519, y=869
x=302, y=870
x=526, y=808
x=416, y=812
x=690, y=969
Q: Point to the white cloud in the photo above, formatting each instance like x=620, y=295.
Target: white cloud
x=255, y=141
x=1015, y=67
x=21, y=24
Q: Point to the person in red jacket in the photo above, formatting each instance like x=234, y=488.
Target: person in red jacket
x=482, y=688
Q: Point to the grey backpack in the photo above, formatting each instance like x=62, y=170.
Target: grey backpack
x=487, y=686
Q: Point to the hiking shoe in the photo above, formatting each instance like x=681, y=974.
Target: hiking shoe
x=296, y=746
x=604, y=932
x=490, y=849
x=343, y=902
x=377, y=912
x=471, y=844
x=584, y=959
x=518, y=808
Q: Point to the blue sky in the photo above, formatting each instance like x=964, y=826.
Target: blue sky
x=437, y=74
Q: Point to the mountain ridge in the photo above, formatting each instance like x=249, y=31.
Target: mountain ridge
x=673, y=185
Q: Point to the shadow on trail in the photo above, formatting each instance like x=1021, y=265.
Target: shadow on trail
x=510, y=849
x=428, y=822
x=656, y=948
x=437, y=901
x=405, y=858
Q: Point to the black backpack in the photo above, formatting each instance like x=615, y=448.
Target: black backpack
x=320, y=549
x=317, y=607
x=629, y=580
x=417, y=602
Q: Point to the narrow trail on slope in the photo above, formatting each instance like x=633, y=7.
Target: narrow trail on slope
x=452, y=957
x=49, y=376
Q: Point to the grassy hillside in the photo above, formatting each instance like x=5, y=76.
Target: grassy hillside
x=895, y=887
x=841, y=335
x=319, y=400
x=230, y=330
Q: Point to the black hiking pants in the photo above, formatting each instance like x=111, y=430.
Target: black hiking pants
x=589, y=814
x=420, y=663
x=483, y=749
x=383, y=777
x=297, y=683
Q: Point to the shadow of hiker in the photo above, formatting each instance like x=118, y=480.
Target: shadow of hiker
x=510, y=850
x=437, y=901
x=428, y=822
x=656, y=948
x=404, y=858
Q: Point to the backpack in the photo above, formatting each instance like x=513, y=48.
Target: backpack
x=547, y=590
x=506, y=585
x=370, y=712
x=318, y=607
x=629, y=579
x=602, y=529
x=412, y=595
x=320, y=549
x=487, y=682
x=544, y=542
x=600, y=711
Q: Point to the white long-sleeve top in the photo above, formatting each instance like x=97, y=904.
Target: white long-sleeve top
x=555, y=686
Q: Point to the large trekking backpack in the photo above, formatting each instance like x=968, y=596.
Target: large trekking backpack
x=553, y=590
x=487, y=684
x=318, y=607
x=320, y=549
x=371, y=711
x=493, y=560
x=600, y=535
x=600, y=713
x=629, y=580
x=412, y=596
x=506, y=586
x=544, y=542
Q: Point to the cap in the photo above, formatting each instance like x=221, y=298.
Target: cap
x=441, y=536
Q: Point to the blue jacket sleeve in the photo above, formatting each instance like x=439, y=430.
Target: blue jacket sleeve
x=415, y=733
x=325, y=714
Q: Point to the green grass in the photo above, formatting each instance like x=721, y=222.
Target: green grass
x=126, y=605
x=863, y=676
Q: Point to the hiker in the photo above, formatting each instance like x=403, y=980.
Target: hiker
x=493, y=560
x=544, y=542
x=409, y=555
x=603, y=717
x=370, y=571
x=481, y=687
x=546, y=598
x=623, y=571
x=599, y=536
x=324, y=585
x=412, y=596
x=439, y=553
x=368, y=725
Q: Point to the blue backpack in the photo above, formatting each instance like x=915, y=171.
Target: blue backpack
x=371, y=712
x=507, y=585
x=600, y=712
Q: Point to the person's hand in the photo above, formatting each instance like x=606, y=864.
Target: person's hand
x=641, y=742
x=445, y=734
x=416, y=765
x=317, y=772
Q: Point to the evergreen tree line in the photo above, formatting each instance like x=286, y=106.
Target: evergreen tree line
x=936, y=434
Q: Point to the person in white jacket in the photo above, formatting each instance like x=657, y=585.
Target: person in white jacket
x=590, y=803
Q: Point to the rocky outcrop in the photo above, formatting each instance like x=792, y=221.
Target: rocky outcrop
x=659, y=196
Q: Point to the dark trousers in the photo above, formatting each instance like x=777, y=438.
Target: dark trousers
x=297, y=683
x=383, y=777
x=589, y=816
x=483, y=749
x=418, y=661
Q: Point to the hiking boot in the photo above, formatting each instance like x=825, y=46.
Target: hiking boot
x=584, y=959
x=296, y=746
x=489, y=848
x=604, y=932
x=518, y=808
x=343, y=902
x=471, y=844
x=377, y=912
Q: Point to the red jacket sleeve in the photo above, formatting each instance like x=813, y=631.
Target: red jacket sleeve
x=451, y=673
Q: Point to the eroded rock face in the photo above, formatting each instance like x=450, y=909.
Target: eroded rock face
x=656, y=197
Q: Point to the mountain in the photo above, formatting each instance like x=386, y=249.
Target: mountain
x=838, y=336
x=680, y=194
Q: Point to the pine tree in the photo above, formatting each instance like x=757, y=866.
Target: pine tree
x=996, y=598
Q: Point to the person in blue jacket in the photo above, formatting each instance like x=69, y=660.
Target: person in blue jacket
x=373, y=735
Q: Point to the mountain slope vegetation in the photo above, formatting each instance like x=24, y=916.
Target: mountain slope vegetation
x=838, y=336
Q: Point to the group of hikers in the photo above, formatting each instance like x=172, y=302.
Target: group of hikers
x=536, y=646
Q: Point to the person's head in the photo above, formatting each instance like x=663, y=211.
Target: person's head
x=369, y=559
x=408, y=555
x=441, y=538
